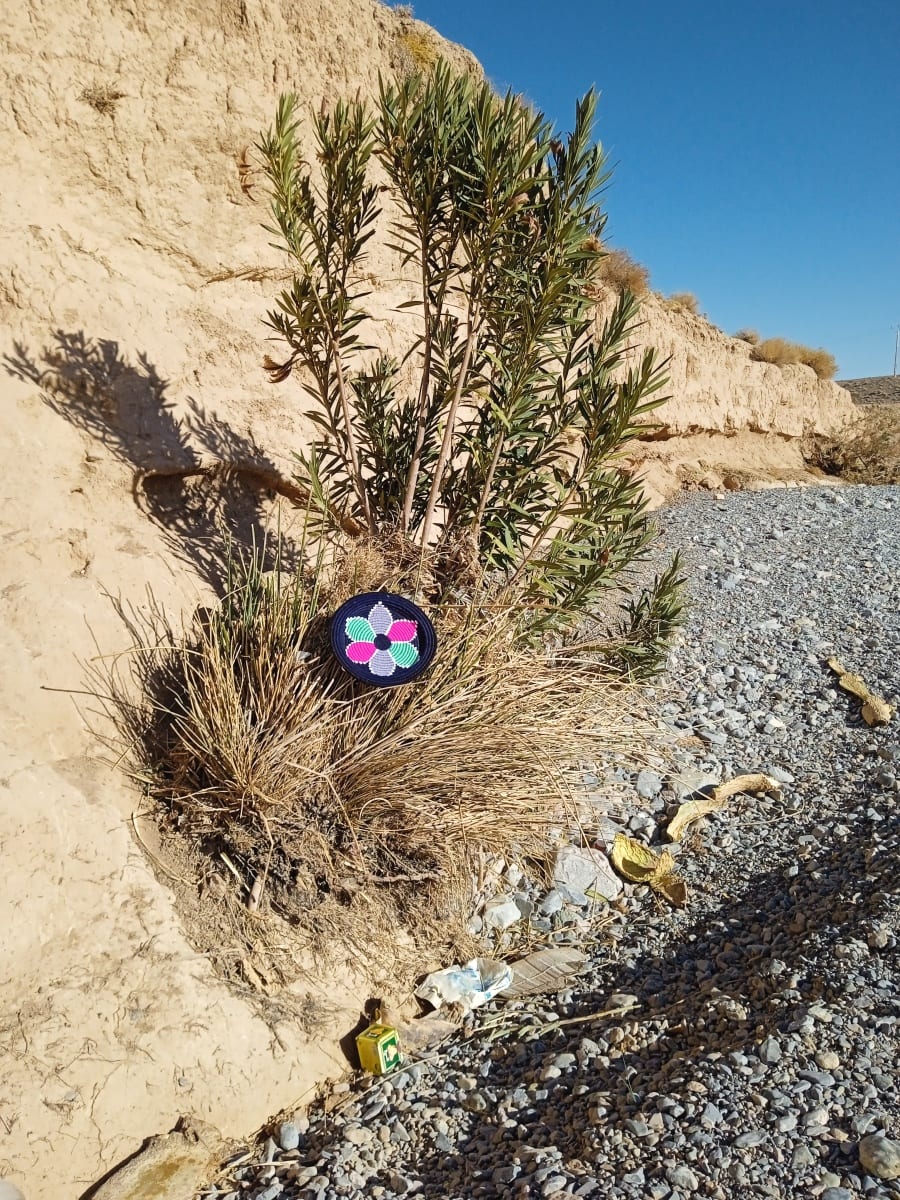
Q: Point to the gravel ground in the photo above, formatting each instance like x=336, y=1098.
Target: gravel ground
x=761, y=1056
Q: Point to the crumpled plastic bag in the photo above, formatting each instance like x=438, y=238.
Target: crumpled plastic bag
x=469, y=986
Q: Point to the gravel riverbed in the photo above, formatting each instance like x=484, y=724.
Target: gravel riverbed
x=761, y=1054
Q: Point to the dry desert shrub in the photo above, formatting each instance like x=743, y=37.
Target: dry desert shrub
x=617, y=269
x=869, y=453
x=419, y=47
x=748, y=335
x=683, y=302
x=823, y=363
x=782, y=353
x=775, y=350
x=488, y=488
x=102, y=97
x=254, y=744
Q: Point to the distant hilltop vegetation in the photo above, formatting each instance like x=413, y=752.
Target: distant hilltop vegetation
x=877, y=389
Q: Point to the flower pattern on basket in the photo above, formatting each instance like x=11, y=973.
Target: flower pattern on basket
x=381, y=641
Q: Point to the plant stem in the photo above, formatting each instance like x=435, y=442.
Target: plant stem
x=412, y=475
x=488, y=483
x=447, y=442
x=358, y=481
x=552, y=517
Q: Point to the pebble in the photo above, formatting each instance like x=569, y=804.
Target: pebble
x=828, y=1060
x=648, y=784
x=753, y=1137
x=880, y=1156
x=682, y=1177
x=288, y=1136
x=769, y=1052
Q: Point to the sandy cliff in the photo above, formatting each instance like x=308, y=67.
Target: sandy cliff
x=133, y=276
x=731, y=421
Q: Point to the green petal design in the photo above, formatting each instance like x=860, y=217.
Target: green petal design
x=404, y=654
x=359, y=630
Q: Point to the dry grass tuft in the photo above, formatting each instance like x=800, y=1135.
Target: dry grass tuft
x=419, y=48
x=823, y=363
x=345, y=804
x=748, y=335
x=683, y=302
x=618, y=270
x=251, y=275
x=102, y=97
x=782, y=353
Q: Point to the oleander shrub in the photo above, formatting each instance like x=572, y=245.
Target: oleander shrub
x=509, y=440
x=478, y=472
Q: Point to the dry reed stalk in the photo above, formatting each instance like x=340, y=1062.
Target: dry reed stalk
x=257, y=744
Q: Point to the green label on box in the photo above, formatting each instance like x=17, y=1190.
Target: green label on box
x=379, y=1049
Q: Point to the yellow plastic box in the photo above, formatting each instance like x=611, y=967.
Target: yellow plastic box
x=379, y=1049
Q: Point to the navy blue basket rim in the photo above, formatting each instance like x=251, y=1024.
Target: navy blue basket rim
x=427, y=636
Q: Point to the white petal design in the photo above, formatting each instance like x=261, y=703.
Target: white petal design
x=381, y=663
x=380, y=618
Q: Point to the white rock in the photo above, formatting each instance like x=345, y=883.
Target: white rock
x=648, y=784
x=880, y=1156
x=501, y=912
x=586, y=870
x=828, y=1060
x=514, y=875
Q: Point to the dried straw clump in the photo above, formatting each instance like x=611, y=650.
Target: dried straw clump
x=257, y=744
x=783, y=353
x=683, y=302
x=869, y=452
x=748, y=335
x=616, y=269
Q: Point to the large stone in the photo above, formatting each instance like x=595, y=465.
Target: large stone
x=168, y=1167
x=880, y=1156
x=586, y=870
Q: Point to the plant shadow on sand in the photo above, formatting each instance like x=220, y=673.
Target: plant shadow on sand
x=204, y=485
x=784, y=928
x=211, y=492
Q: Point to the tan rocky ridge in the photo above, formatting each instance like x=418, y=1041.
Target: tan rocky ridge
x=134, y=273
x=731, y=421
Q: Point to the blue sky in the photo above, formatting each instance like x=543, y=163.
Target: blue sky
x=755, y=146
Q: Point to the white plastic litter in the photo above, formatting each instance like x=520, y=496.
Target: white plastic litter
x=469, y=986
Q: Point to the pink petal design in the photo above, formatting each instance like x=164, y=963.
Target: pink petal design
x=382, y=663
x=402, y=631
x=360, y=652
x=380, y=618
